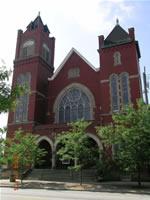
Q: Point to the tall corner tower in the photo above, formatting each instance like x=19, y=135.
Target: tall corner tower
x=33, y=64
x=119, y=69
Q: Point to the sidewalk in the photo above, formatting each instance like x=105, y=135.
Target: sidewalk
x=121, y=187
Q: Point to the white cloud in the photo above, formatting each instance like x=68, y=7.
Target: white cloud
x=90, y=15
x=94, y=15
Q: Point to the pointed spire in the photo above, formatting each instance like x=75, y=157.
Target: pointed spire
x=117, y=21
x=38, y=19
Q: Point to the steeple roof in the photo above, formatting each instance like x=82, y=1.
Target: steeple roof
x=37, y=23
x=117, y=36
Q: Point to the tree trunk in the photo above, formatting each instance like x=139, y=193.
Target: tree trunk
x=139, y=176
x=12, y=176
x=81, y=176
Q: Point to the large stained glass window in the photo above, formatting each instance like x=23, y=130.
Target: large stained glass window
x=21, y=113
x=74, y=105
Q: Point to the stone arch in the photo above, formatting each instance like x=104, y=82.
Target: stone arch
x=47, y=139
x=46, y=143
x=82, y=88
x=96, y=139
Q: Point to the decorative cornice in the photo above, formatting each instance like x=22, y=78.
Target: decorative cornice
x=134, y=76
x=104, y=81
x=20, y=123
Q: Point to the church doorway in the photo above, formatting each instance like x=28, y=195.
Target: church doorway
x=92, y=154
x=61, y=164
x=90, y=157
x=47, y=158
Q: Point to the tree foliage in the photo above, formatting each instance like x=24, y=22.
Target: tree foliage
x=75, y=146
x=74, y=142
x=21, y=151
x=2, y=145
x=7, y=96
x=130, y=131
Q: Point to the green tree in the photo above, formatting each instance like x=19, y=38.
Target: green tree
x=131, y=133
x=74, y=145
x=7, y=96
x=2, y=145
x=21, y=152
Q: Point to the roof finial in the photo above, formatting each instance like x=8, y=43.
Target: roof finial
x=39, y=14
x=117, y=21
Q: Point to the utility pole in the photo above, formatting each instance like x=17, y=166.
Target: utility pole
x=145, y=86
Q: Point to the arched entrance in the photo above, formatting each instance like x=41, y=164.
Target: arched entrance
x=59, y=163
x=90, y=156
x=47, y=158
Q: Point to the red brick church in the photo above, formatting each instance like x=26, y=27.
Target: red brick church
x=76, y=89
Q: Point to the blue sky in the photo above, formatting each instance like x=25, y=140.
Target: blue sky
x=74, y=23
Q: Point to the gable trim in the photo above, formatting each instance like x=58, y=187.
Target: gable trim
x=73, y=50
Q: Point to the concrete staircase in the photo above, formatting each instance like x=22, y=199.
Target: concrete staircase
x=62, y=175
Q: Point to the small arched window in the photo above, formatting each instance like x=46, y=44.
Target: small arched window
x=114, y=92
x=28, y=48
x=21, y=112
x=46, y=53
x=124, y=81
x=74, y=105
x=117, y=58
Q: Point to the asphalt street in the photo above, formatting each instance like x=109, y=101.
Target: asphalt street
x=40, y=194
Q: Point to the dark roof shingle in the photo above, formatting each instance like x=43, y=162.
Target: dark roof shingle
x=118, y=35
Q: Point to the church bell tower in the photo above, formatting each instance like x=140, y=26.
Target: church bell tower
x=33, y=64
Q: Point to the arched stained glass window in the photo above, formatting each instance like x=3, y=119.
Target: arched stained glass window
x=21, y=112
x=114, y=92
x=80, y=111
x=74, y=105
x=67, y=113
x=28, y=48
x=124, y=81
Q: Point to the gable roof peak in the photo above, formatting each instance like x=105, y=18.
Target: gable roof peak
x=73, y=50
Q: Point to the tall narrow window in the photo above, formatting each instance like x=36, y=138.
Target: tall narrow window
x=46, y=53
x=114, y=92
x=117, y=58
x=21, y=113
x=74, y=105
x=124, y=81
x=120, y=93
x=28, y=49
